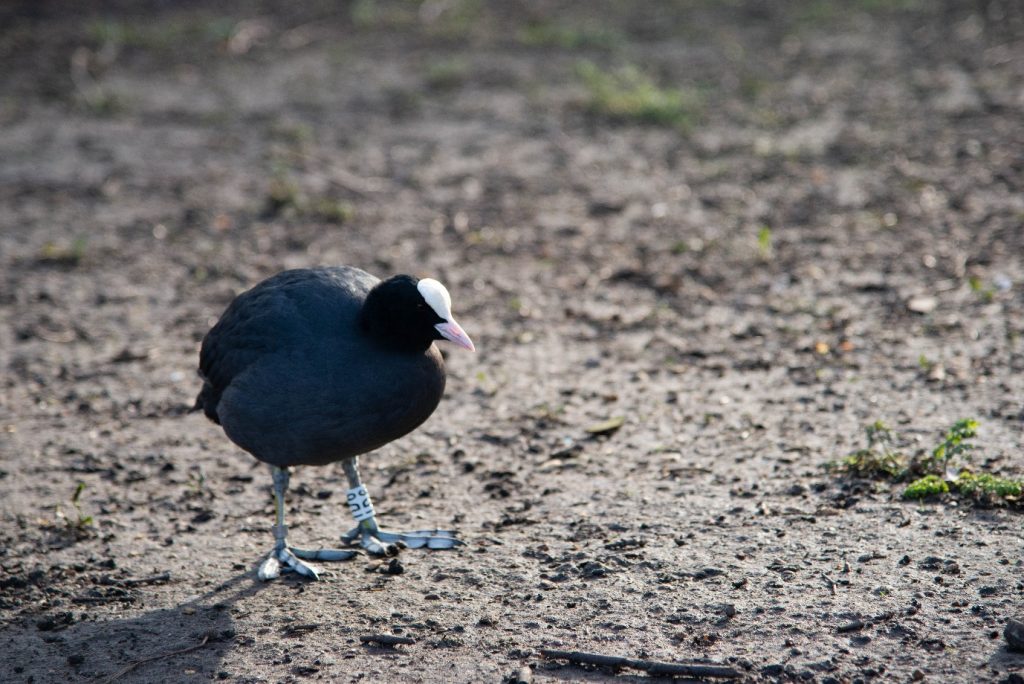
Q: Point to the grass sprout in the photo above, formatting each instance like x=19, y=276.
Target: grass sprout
x=924, y=487
x=878, y=460
x=943, y=470
x=628, y=95
x=80, y=525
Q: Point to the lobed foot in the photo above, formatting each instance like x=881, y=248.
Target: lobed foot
x=288, y=560
x=380, y=542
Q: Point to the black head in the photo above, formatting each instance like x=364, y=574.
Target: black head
x=406, y=314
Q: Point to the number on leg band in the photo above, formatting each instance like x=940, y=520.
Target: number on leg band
x=359, y=503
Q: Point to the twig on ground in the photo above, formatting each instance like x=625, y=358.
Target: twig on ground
x=102, y=599
x=650, y=666
x=135, y=581
x=387, y=639
x=131, y=666
x=299, y=630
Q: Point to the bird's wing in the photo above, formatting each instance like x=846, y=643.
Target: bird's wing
x=282, y=314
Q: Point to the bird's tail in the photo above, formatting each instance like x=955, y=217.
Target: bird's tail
x=206, y=402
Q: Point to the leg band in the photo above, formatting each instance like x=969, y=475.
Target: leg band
x=359, y=503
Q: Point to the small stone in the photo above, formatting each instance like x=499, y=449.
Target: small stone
x=957, y=94
x=854, y=626
x=593, y=569
x=917, y=675
x=922, y=304
x=55, y=622
x=706, y=573
x=604, y=207
x=1014, y=634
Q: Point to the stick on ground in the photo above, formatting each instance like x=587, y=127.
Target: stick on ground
x=651, y=666
x=387, y=639
x=132, y=666
x=135, y=581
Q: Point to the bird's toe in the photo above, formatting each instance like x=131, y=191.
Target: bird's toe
x=269, y=569
x=376, y=547
x=326, y=555
x=283, y=560
x=430, y=539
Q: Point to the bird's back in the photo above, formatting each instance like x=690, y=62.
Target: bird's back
x=274, y=315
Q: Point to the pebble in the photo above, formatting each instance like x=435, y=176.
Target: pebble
x=522, y=676
x=922, y=304
x=1014, y=635
x=394, y=567
x=592, y=569
x=854, y=626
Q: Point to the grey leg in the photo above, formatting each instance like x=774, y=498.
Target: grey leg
x=283, y=558
x=375, y=540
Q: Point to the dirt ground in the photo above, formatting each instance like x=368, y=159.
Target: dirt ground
x=829, y=232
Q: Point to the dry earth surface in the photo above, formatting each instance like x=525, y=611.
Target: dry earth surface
x=825, y=230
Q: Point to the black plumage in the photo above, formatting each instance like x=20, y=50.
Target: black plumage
x=298, y=373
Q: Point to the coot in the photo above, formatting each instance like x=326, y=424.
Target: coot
x=313, y=366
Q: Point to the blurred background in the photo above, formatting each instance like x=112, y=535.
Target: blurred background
x=570, y=169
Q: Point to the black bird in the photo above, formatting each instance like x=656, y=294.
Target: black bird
x=313, y=366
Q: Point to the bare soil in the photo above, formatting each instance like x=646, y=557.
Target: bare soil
x=835, y=237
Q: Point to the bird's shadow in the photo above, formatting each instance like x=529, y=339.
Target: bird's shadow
x=169, y=644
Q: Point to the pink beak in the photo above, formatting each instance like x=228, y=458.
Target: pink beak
x=453, y=332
